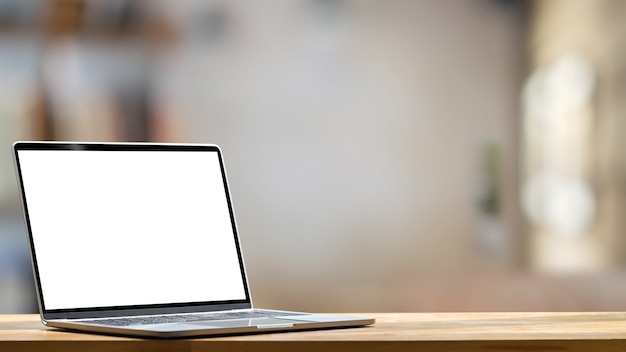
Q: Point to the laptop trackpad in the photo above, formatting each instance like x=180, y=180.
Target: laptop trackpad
x=260, y=323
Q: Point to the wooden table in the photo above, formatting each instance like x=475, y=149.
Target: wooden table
x=392, y=332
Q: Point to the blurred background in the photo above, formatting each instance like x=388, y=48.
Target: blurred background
x=383, y=156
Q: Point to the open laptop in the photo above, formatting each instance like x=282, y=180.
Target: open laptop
x=140, y=239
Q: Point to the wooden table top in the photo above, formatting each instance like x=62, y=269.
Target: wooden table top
x=588, y=331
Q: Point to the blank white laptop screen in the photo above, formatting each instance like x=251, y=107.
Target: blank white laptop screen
x=123, y=228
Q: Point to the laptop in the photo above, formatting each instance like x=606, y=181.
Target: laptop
x=139, y=239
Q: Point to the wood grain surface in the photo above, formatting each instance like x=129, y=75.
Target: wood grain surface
x=588, y=331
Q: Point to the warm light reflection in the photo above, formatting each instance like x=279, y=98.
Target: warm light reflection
x=558, y=122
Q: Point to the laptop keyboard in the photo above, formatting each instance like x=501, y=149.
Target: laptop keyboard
x=176, y=318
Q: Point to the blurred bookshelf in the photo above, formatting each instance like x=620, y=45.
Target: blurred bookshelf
x=71, y=70
x=74, y=70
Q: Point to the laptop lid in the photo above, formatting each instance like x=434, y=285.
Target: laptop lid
x=130, y=229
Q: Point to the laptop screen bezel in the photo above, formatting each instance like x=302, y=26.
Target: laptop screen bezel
x=113, y=311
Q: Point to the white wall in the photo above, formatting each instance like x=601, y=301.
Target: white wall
x=353, y=136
